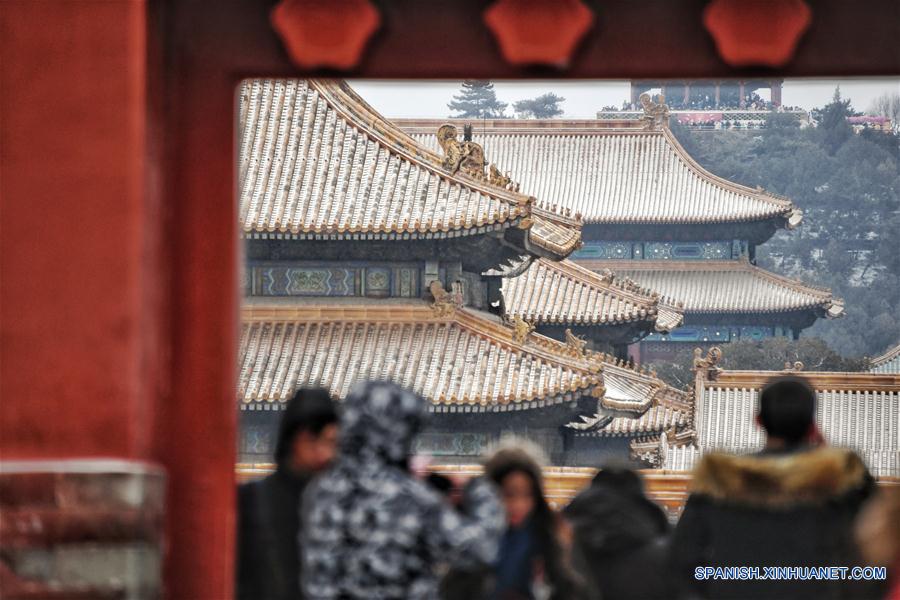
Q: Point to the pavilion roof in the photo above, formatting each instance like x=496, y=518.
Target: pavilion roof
x=889, y=362
x=467, y=361
x=565, y=293
x=617, y=173
x=855, y=410
x=317, y=162
x=657, y=407
x=723, y=286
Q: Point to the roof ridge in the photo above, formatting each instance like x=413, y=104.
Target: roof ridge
x=758, y=192
x=631, y=369
x=547, y=346
x=572, y=379
x=700, y=266
x=559, y=214
x=790, y=210
x=620, y=285
x=509, y=126
x=795, y=284
x=886, y=356
x=820, y=380
x=395, y=138
x=421, y=313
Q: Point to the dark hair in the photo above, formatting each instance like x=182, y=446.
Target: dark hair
x=439, y=483
x=504, y=463
x=787, y=408
x=620, y=477
x=309, y=409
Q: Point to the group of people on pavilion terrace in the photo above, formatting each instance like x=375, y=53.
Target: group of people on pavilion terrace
x=350, y=513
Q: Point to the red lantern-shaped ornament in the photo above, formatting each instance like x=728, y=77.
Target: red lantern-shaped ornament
x=325, y=33
x=757, y=32
x=538, y=32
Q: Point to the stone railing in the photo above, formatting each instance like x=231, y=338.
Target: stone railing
x=79, y=529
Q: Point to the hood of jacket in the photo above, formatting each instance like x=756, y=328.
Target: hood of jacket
x=379, y=421
x=811, y=476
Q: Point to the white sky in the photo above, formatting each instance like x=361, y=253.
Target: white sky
x=585, y=98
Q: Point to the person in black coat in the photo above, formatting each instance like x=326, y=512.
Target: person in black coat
x=620, y=537
x=268, y=557
x=791, y=505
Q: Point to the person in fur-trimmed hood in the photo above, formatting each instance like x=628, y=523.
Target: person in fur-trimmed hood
x=791, y=505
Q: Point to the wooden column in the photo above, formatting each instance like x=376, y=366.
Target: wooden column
x=109, y=345
x=776, y=92
x=83, y=300
x=80, y=261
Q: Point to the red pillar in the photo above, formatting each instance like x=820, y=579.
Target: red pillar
x=77, y=256
x=118, y=303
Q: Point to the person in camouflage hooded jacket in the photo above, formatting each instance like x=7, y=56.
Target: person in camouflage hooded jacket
x=373, y=531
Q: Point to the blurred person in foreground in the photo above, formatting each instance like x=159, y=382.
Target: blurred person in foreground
x=269, y=509
x=791, y=505
x=532, y=562
x=878, y=535
x=372, y=530
x=621, y=537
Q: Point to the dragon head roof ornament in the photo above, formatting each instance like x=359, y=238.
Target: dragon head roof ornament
x=707, y=367
x=468, y=157
x=656, y=113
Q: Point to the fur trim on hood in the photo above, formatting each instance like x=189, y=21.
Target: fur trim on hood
x=780, y=481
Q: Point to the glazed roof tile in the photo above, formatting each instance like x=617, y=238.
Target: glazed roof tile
x=635, y=402
x=613, y=174
x=565, y=293
x=723, y=286
x=855, y=410
x=889, y=362
x=466, y=362
x=315, y=160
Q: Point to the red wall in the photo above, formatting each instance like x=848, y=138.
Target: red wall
x=72, y=257
x=117, y=265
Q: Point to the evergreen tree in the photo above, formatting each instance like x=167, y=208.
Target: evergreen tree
x=833, y=122
x=477, y=100
x=851, y=204
x=545, y=106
